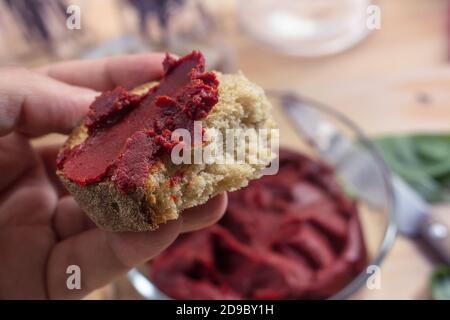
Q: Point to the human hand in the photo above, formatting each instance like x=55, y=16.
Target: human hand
x=42, y=229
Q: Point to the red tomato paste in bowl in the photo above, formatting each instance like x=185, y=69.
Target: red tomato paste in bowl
x=294, y=235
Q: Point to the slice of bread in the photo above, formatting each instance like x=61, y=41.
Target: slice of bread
x=241, y=104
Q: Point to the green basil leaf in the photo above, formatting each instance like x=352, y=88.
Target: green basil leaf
x=422, y=160
x=440, y=283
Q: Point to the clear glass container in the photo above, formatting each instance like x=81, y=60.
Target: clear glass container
x=178, y=26
x=36, y=32
x=305, y=28
x=376, y=215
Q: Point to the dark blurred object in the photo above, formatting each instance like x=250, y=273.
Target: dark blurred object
x=31, y=15
x=422, y=160
x=35, y=30
x=160, y=9
x=179, y=26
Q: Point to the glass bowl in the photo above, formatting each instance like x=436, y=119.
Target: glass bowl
x=375, y=200
x=305, y=28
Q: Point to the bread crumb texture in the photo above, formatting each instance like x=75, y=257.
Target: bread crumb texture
x=172, y=188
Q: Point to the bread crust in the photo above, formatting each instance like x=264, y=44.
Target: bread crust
x=241, y=105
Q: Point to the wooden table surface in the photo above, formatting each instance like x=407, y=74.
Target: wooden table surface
x=378, y=84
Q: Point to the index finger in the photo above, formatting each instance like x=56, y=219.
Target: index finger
x=104, y=74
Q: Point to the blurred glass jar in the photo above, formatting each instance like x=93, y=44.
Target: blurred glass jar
x=305, y=28
x=179, y=26
x=33, y=32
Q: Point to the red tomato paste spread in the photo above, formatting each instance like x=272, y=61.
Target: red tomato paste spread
x=294, y=235
x=127, y=133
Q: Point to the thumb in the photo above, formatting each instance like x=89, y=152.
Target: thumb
x=33, y=104
x=102, y=256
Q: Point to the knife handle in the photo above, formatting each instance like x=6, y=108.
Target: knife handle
x=437, y=236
